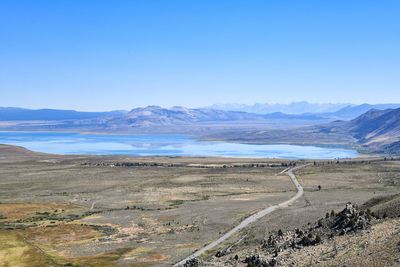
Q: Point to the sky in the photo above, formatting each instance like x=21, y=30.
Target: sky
x=97, y=55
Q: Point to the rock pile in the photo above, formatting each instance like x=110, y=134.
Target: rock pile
x=349, y=220
x=192, y=263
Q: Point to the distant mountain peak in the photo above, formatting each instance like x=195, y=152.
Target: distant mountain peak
x=297, y=108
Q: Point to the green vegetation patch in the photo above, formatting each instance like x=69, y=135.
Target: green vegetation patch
x=14, y=251
x=176, y=202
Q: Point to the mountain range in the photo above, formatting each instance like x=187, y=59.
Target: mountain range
x=239, y=112
x=155, y=115
x=339, y=110
x=352, y=111
x=292, y=108
x=376, y=131
x=150, y=119
x=23, y=114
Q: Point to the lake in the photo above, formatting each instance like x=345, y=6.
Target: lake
x=161, y=145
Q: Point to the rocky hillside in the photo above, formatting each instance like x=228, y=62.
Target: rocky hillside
x=356, y=236
x=375, y=130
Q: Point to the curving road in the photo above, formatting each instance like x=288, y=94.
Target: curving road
x=252, y=218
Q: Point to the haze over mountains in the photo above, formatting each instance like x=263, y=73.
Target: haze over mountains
x=152, y=119
x=376, y=131
x=344, y=111
x=23, y=114
x=292, y=108
x=367, y=127
x=155, y=119
x=347, y=110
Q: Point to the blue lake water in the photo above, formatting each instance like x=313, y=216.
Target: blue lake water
x=161, y=145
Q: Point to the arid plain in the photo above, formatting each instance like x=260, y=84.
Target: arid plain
x=153, y=211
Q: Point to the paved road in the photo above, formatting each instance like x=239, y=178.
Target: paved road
x=252, y=218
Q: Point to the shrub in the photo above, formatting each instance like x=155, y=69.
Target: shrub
x=305, y=241
x=352, y=223
x=280, y=233
x=299, y=233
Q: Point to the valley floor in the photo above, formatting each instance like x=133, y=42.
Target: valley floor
x=154, y=211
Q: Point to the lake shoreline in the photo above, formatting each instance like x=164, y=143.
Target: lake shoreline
x=163, y=145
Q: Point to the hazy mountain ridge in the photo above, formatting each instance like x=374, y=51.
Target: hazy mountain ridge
x=155, y=119
x=238, y=112
x=292, y=108
x=351, y=112
x=151, y=114
x=373, y=128
x=338, y=111
x=155, y=116
x=181, y=115
x=22, y=114
x=374, y=131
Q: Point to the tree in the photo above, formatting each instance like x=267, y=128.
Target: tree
x=280, y=233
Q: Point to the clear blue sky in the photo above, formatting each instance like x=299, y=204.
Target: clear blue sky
x=103, y=55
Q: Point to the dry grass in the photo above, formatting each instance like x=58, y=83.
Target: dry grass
x=16, y=211
x=61, y=234
x=379, y=247
x=14, y=251
x=159, y=214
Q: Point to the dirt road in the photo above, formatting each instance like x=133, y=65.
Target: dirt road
x=252, y=218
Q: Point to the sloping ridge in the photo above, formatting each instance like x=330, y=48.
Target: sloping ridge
x=21, y=114
x=158, y=116
x=377, y=127
x=384, y=206
x=375, y=130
